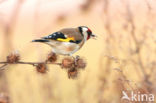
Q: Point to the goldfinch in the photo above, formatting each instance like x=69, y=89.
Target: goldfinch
x=67, y=41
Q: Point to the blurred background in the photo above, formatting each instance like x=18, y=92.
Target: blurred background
x=122, y=58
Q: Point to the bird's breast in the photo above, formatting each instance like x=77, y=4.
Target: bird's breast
x=66, y=48
x=70, y=46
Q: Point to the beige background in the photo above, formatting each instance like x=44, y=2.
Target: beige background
x=114, y=62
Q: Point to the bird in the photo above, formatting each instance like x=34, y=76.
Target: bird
x=67, y=41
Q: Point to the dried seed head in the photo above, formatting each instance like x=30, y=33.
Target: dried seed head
x=67, y=63
x=41, y=68
x=4, y=98
x=13, y=58
x=52, y=57
x=81, y=63
x=72, y=73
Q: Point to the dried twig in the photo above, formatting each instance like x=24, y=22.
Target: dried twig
x=136, y=41
x=2, y=67
x=29, y=63
x=14, y=58
x=73, y=65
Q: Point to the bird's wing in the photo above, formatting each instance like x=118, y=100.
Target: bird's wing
x=73, y=33
x=65, y=35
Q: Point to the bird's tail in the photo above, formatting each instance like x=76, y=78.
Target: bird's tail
x=40, y=40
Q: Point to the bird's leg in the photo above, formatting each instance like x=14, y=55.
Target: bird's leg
x=76, y=59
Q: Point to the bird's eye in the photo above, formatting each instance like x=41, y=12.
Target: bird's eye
x=89, y=31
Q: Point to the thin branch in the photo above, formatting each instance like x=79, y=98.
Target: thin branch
x=2, y=67
x=124, y=77
x=136, y=41
x=29, y=63
x=72, y=64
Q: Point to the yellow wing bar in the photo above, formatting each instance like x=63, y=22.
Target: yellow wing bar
x=66, y=40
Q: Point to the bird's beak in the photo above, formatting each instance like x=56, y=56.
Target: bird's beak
x=93, y=36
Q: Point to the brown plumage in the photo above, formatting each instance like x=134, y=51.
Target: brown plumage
x=72, y=32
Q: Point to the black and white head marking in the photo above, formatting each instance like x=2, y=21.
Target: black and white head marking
x=85, y=31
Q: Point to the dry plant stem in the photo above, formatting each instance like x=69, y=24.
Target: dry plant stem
x=138, y=45
x=80, y=92
x=2, y=67
x=105, y=68
x=81, y=87
x=9, y=27
x=125, y=78
x=29, y=63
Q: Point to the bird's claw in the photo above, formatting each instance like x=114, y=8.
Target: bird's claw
x=76, y=59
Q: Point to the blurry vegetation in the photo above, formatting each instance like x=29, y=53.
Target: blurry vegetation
x=123, y=57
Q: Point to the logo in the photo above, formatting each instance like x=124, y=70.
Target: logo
x=137, y=96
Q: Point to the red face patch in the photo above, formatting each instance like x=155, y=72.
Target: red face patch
x=89, y=33
x=89, y=30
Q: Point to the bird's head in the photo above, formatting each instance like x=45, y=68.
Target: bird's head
x=86, y=32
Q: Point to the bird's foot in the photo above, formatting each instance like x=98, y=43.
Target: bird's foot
x=76, y=59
